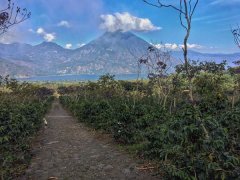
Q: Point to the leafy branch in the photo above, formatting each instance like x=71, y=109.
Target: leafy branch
x=236, y=35
x=11, y=16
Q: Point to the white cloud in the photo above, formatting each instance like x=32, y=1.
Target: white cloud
x=64, y=24
x=225, y=2
x=174, y=46
x=171, y=46
x=195, y=46
x=126, y=22
x=49, y=37
x=31, y=30
x=158, y=46
x=192, y=46
x=68, y=46
x=167, y=45
x=40, y=31
x=81, y=44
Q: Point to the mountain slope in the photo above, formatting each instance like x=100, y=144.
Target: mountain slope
x=12, y=69
x=113, y=52
x=40, y=59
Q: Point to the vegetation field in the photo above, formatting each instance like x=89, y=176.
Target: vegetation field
x=22, y=108
x=190, y=127
x=193, y=132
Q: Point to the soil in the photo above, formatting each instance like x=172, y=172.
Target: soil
x=66, y=149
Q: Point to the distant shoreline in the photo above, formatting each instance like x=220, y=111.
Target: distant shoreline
x=79, y=77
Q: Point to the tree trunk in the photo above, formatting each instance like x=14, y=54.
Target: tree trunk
x=185, y=53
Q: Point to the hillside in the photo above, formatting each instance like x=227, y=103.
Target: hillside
x=113, y=52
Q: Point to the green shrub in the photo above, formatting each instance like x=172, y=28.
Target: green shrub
x=20, y=118
x=197, y=140
x=192, y=146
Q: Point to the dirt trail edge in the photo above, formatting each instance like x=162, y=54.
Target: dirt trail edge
x=67, y=149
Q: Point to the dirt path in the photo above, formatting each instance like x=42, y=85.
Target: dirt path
x=68, y=150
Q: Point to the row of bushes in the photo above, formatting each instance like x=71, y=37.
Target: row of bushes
x=189, y=143
x=21, y=116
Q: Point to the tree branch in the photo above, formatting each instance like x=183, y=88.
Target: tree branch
x=180, y=17
x=236, y=35
x=185, y=10
x=194, y=8
x=8, y=18
x=160, y=5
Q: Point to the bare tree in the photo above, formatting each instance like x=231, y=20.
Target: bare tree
x=12, y=15
x=158, y=63
x=236, y=70
x=236, y=35
x=186, y=9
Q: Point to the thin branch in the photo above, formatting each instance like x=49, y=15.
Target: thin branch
x=160, y=5
x=190, y=7
x=194, y=8
x=186, y=10
x=11, y=11
x=180, y=17
x=8, y=18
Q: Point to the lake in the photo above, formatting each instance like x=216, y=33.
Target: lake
x=81, y=77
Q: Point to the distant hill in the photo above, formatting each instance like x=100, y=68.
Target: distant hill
x=13, y=69
x=218, y=57
x=113, y=52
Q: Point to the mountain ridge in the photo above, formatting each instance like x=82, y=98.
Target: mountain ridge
x=113, y=52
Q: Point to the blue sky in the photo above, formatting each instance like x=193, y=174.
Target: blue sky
x=72, y=23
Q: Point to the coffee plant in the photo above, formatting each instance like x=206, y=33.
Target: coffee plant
x=190, y=140
x=22, y=108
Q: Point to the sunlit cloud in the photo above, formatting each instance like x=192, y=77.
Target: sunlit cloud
x=68, y=46
x=174, y=46
x=49, y=37
x=40, y=31
x=81, y=45
x=126, y=22
x=193, y=46
x=171, y=46
x=64, y=24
